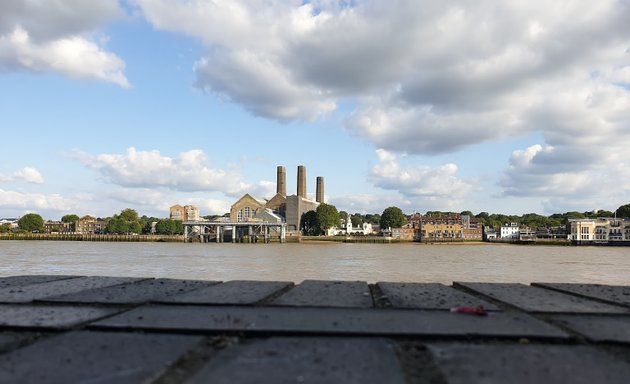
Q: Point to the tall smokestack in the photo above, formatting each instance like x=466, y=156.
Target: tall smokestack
x=319, y=192
x=281, y=181
x=301, y=182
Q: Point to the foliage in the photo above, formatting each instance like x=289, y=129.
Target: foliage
x=129, y=214
x=126, y=222
x=117, y=225
x=4, y=228
x=372, y=218
x=309, y=224
x=623, y=211
x=357, y=220
x=31, y=222
x=327, y=216
x=69, y=218
x=169, y=227
x=392, y=217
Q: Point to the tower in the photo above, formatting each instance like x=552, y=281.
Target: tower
x=319, y=191
x=301, y=181
x=281, y=181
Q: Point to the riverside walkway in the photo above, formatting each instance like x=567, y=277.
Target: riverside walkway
x=68, y=329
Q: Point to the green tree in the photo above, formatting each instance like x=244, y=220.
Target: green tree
x=169, y=227
x=69, y=218
x=357, y=220
x=129, y=214
x=392, y=217
x=469, y=213
x=309, y=224
x=117, y=225
x=327, y=216
x=623, y=211
x=5, y=228
x=373, y=218
x=31, y=222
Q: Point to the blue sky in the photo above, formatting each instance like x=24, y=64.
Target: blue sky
x=426, y=105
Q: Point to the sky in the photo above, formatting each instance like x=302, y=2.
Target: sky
x=505, y=107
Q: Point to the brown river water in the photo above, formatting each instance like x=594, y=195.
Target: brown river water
x=324, y=261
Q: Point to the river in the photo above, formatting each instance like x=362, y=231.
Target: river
x=326, y=261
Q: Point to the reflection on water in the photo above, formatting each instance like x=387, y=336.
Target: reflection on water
x=329, y=261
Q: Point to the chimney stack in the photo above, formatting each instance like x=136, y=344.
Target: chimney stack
x=301, y=182
x=319, y=193
x=281, y=181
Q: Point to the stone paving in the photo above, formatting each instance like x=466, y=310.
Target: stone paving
x=66, y=329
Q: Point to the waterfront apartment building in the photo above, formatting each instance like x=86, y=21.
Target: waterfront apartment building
x=89, y=224
x=599, y=231
x=184, y=213
x=445, y=227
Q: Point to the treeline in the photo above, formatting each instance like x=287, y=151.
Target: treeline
x=126, y=222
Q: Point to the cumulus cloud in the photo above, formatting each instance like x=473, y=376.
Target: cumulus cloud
x=59, y=36
x=429, y=77
x=421, y=183
x=189, y=171
x=28, y=174
x=12, y=200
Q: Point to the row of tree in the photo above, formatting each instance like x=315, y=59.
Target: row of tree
x=324, y=217
x=124, y=223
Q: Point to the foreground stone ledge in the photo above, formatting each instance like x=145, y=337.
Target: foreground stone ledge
x=66, y=329
x=329, y=321
x=94, y=356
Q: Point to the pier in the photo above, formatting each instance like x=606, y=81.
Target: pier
x=236, y=232
x=59, y=329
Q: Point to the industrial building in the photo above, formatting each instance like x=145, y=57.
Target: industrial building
x=289, y=208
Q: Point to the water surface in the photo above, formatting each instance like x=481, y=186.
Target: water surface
x=327, y=261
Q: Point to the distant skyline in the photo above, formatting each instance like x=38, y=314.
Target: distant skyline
x=514, y=107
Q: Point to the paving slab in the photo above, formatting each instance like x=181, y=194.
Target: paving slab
x=610, y=293
x=318, y=293
x=28, y=293
x=94, y=357
x=18, y=281
x=531, y=363
x=535, y=299
x=231, y=292
x=307, y=360
x=132, y=293
x=50, y=316
x=430, y=296
x=307, y=320
x=614, y=329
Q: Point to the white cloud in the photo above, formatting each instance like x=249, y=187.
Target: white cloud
x=432, y=77
x=12, y=200
x=420, y=184
x=189, y=171
x=58, y=36
x=28, y=174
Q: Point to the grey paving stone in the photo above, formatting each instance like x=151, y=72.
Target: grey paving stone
x=309, y=320
x=530, y=363
x=49, y=316
x=318, y=293
x=537, y=299
x=429, y=296
x=308, y=360
x=231, y=292
x=598, y=328
x=94, y=357
x=18, y=281
x=132, y=293
x=611, y=293
x=27, y=293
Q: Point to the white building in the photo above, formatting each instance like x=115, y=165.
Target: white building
x=510, y=231
x=600, y=230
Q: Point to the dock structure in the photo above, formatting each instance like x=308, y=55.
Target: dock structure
x=65, y=329
x=236, y=232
